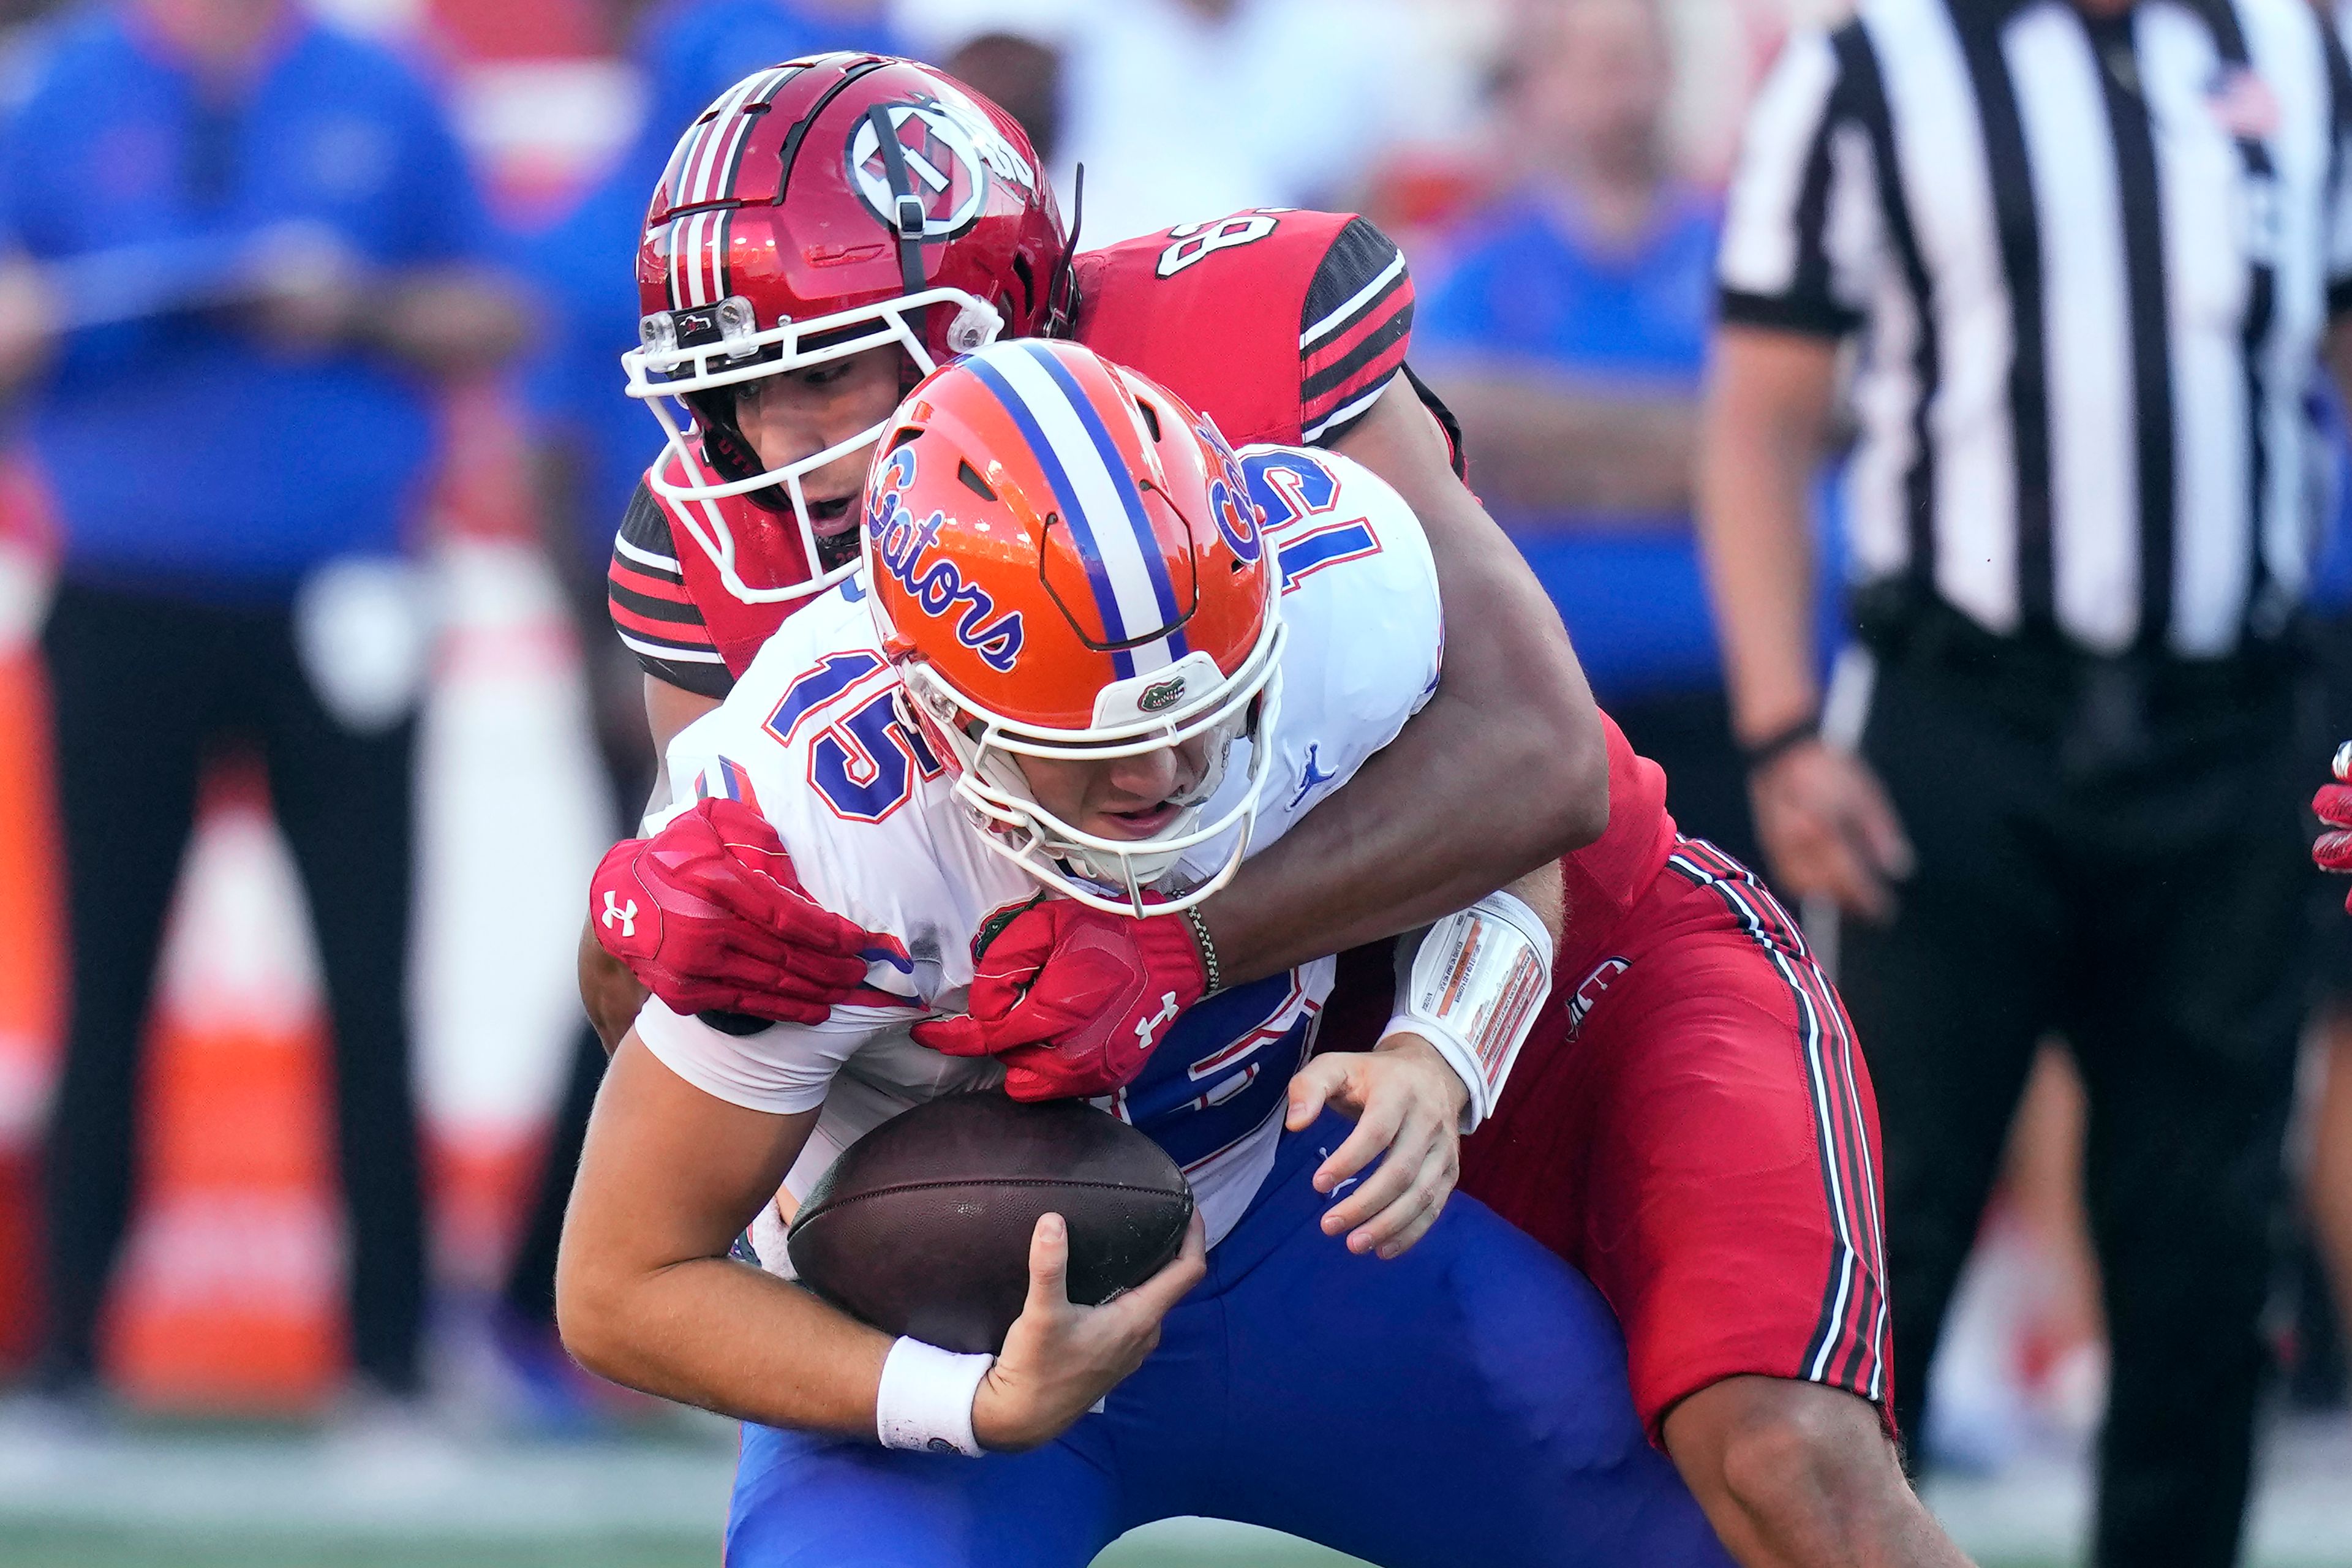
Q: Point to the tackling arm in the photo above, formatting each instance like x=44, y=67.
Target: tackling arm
x=1395, y=848
x=1413, y=1096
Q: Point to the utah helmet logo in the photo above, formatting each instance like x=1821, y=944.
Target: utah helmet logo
x=948, y=157
x=1161, y=694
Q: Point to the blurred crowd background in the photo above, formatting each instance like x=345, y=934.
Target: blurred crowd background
x=401, y=431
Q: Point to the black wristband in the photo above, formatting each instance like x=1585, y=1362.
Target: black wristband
x=1779, y=742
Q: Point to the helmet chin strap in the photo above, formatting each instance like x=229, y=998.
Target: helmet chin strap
x=903, y=199
x=836, y=550
x=1062, y=299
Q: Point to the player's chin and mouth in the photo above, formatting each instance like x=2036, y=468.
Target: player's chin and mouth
x=834, y=515
x=834, y=520
x=1138, y=823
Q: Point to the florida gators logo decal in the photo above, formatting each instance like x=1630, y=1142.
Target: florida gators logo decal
x=1238, y=517
x=900, y=545
x=1161, y=694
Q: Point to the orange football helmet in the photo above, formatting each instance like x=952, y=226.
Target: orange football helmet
x=1064, y=561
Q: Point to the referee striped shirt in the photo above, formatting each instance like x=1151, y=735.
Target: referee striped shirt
x=2090, y=261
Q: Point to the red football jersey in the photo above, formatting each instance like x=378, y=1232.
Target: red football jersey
x=1280, y=325
x=1613, y=873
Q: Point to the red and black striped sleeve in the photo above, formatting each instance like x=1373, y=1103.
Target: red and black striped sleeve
x=1353, y=331
x=655, y=615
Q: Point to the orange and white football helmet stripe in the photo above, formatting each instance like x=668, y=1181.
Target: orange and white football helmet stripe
x=1064, y=561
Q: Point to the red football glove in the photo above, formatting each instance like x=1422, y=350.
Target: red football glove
x=709, y=917
x=2333, y=805
x=1071, y=999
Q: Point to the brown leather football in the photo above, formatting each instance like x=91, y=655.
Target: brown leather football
x=922, y=1227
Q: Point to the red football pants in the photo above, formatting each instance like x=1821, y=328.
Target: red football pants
x=1691, y=1124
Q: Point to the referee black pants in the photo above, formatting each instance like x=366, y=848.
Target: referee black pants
x=143, y=690
x=2153, y=912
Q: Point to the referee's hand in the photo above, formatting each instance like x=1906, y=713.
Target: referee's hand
x=1828, y=829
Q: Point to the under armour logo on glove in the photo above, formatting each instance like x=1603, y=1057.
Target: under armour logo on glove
x=710, y=916
x=1145, y=1027
x=627, y=917
x=1065, y=995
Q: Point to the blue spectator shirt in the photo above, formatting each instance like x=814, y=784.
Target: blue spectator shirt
x=586, y=263
x=185, y=454
x=1529, y=284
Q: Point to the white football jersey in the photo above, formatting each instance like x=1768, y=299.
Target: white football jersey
x=809, y=738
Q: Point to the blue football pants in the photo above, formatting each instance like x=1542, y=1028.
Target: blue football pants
x=1465, y=1403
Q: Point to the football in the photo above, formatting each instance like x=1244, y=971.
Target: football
x=922, y=1227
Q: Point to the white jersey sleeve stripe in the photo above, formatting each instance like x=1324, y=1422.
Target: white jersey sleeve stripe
x=1338, y=317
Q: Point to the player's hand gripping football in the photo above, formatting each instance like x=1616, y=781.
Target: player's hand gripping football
x=1070, y=999
x=2333, y=805
x=1407, y=1103
x=709, y=916
x=1060, y=1357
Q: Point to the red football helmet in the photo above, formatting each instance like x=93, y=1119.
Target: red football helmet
x=820, y=208
x=1065, y=562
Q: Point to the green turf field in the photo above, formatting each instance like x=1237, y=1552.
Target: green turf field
x=162, y=1493
x=42, y=1546
x=1188, y=1545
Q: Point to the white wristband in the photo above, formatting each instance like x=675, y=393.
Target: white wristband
x=1471, y=989
x=925, y=1400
